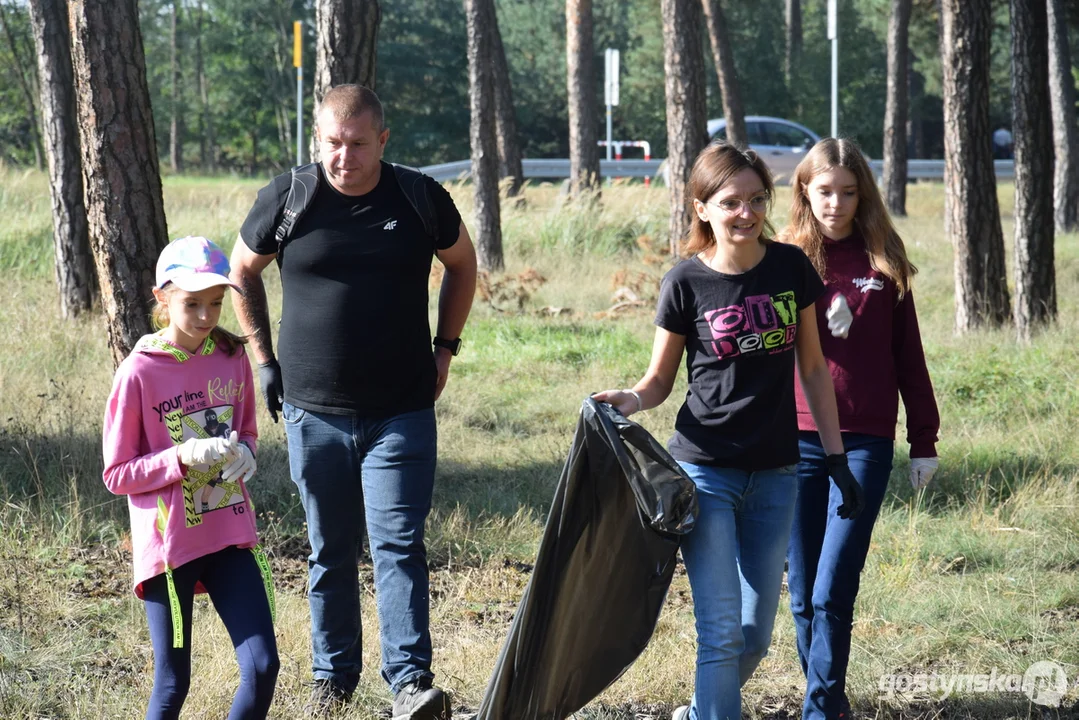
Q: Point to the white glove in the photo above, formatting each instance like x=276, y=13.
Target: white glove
x=921, y=471
x=203, y=451
x=241, y=461
x=839, y=317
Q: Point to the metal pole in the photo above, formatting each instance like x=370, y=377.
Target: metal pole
x=608, y=132
x=297, y=60
x=833, y=35
x=835, y=87
x=299, y=116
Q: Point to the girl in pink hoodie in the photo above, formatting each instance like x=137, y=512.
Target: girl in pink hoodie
x=179, y=442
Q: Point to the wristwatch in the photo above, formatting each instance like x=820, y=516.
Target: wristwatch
x=454, y=346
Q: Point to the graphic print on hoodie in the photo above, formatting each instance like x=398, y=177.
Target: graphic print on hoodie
x=162, y=396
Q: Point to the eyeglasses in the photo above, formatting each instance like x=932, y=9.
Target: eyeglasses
x=733, y=206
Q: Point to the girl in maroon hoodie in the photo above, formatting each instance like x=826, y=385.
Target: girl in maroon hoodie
x=874, y=352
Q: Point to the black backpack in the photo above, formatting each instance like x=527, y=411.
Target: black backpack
x=305, y=181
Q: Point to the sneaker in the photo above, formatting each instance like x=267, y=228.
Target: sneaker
x=326, y=698
x=680, y=713
x=421, y=701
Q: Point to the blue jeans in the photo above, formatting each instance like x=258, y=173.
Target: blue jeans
x=734, y=560
x=825, y=561
x=351, y=470
x=234, y=583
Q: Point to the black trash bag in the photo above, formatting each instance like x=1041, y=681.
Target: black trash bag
x=602, y=572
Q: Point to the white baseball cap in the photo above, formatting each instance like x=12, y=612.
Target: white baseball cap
x=193, y=263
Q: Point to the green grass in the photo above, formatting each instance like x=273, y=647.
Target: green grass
x=975, y=573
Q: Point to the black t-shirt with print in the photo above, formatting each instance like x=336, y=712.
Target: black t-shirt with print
x=355, y=335
x=740, y=332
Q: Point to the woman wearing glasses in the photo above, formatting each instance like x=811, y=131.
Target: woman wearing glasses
x=874, y=354
x=741, y=309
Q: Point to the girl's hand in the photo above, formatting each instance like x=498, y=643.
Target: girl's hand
x=839, y=317
x=241, y=461
x=626, y=402
x=202, y=451
x=922, y=470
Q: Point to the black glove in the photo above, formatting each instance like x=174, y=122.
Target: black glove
x=853, y=497
x=273, y=387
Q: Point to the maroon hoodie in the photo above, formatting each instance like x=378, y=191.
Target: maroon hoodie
x=880, y=359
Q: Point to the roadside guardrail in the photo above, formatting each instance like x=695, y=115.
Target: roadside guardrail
x=558, y=168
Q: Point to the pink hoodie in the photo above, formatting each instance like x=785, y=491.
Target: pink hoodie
x=161, y=396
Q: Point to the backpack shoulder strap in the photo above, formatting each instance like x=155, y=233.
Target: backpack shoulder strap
x=301, y=194
x=413, y=184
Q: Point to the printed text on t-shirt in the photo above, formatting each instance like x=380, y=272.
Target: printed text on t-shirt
x=759, y=324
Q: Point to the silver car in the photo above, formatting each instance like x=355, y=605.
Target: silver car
x=781, y=143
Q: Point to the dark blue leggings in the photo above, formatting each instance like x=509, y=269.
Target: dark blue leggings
x=232, y=578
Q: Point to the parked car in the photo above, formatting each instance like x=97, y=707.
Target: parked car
x=781, y=143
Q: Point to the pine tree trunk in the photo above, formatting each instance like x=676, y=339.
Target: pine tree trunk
x=584, y=177
x=22, y=70
x=794, y=40
x=176, y=125
x=74, y=263
x=509, y=145
x=683, y=67
x=896, y=111
x=120, y=163
x=483, y=134
x=972, y=214
x=1035, y=274
x=723, y=55
x=1065, y=133
x=345, y=48
x=207, y=149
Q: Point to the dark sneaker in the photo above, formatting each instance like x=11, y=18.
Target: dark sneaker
x=421, y=701
x=326, y=698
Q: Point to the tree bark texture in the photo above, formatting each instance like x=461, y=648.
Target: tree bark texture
x=345, y=48
x=687, y=134
x=120, y=164
x=794, y=39
x=74, y=263
x=345, y=45
x=207, y=145
x=176, y=124
x=509, y=145
x=723, y=55
x=1035, y=274
x=22, y=70
x=1065, y=134
x=896, y=110
x=483, y=134
x=972, y=214
x=583, y=104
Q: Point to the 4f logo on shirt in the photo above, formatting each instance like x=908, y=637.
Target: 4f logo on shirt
x=390, y=225
x=761, y=323
x=867, y=284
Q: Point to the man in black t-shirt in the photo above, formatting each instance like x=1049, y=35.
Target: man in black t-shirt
x=356, y=384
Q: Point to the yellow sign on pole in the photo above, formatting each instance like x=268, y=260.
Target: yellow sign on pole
x=297, y=44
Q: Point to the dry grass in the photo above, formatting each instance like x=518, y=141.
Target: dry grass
x=975, y=574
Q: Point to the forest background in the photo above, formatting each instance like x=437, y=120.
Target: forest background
x=422, y=75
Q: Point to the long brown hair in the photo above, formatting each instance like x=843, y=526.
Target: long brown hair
x=159, y=316
x=713, y=168
x=885, y=248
